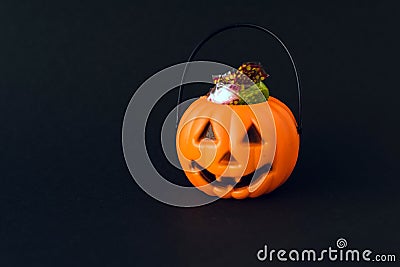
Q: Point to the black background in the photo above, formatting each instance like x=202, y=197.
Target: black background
x=68, y=71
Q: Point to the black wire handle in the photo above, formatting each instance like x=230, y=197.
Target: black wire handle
x=253, y=26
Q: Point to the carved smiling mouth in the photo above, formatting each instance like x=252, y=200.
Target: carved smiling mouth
x=225, y=181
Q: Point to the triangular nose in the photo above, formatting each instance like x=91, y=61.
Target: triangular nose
x=227, y=158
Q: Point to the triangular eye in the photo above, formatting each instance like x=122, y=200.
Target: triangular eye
x=208, y=132
x=227, y=157
x=253, y=135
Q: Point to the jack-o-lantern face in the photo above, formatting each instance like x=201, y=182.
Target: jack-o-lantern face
x=237, y=151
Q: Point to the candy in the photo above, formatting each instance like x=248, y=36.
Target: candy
x=240, y=87
x=224, y=93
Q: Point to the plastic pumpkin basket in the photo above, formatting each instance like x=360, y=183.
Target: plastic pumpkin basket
x=238, y=151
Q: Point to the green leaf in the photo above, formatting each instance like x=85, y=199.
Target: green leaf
x=254, y=94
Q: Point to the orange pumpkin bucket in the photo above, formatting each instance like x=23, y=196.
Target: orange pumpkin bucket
x=238, y=150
